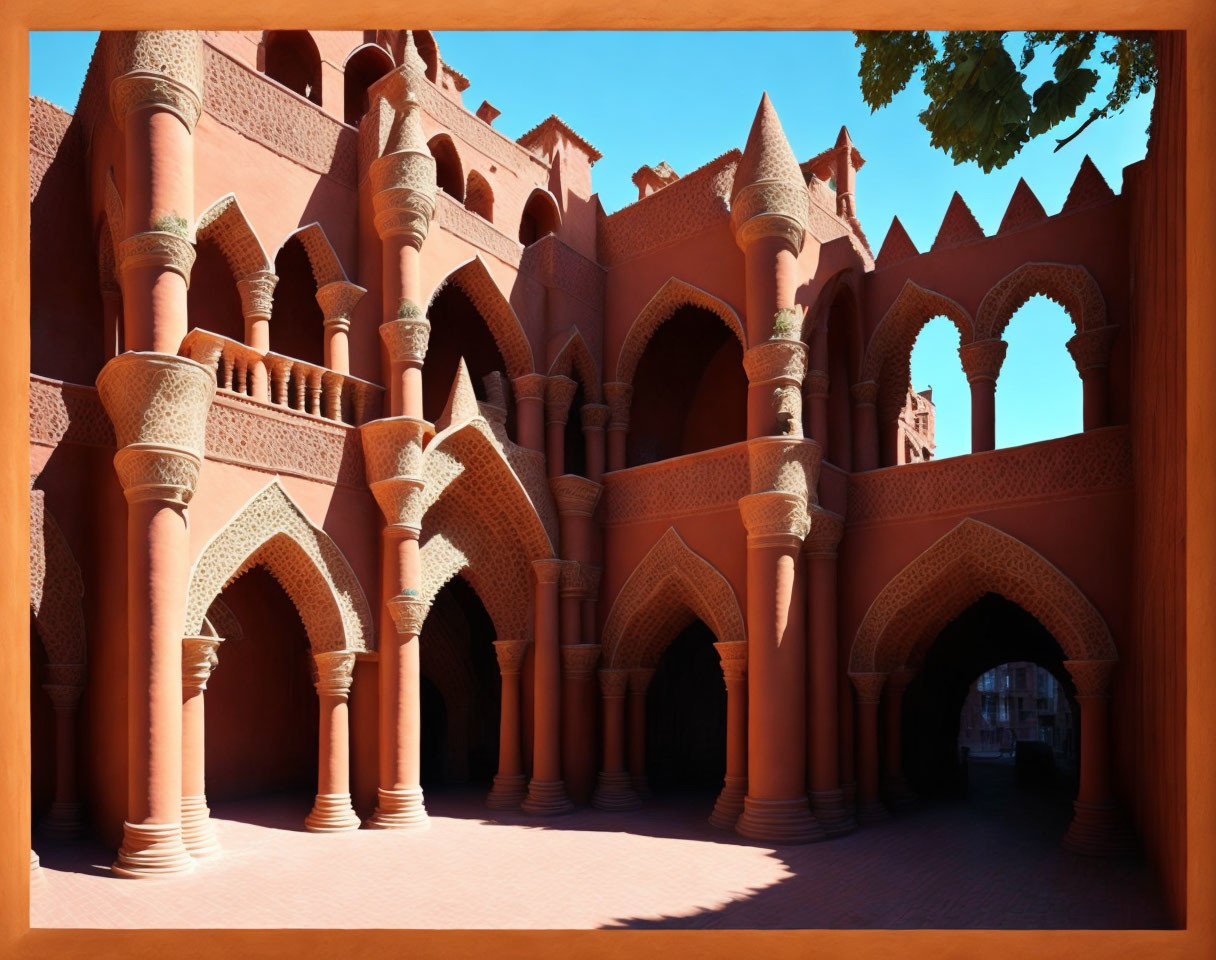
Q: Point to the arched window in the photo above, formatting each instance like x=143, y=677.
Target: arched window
x=936, y=414
x=363, y=68
x=478, y=197
x=1038, y=393
x=297, y=325
x=212, y=302
x=291, y=57
x=540, y=218
x=457, y=330
x=448, y=172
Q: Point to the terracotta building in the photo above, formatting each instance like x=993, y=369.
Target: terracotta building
x=1012, y=702
x=368, y=452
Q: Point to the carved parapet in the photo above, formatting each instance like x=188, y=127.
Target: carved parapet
x=158, y=404
x=156, y=248
x=868, y=686
x=510, y=656
x=982, y=359
x=199, y=658
x=408, y=613
x=619, y=397
x=156, y=68
x=392, y=447
x=406, y=340
x=826, y=530
x=335, y=670
x=575, y=496
x=594, y=416
x=559, y=391
x=1091, y=677
x=338, y=300
x=865, y=393
x=579, y=660
x=1090, y=349
x=787, y=464
x=257, y=293
x=774, y=518
x=614, y=684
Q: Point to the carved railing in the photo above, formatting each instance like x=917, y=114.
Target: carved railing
x=292, y=384
x=700, y=482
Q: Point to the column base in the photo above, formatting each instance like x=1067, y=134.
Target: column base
x=546, y=798
x=829, y=809
x=332, y=813
x=729, y=805
x=872, y=812
x=1099, y=830
x=781, y=821
x=63, y=821
x=897, y=793
x=198, y=830
x=151, y=850
x=402, y=809
x=614, y=791
x=508, y=792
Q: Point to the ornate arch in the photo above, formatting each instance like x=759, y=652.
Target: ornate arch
x=574, y=357
x=1070, y=285
x=671, y=587
x=225, y=223
x=889, y=352
x=326, y=267
x=56, y=587
x=669, y=298
x=272, y=530
x=473, y=277
x=971, y=560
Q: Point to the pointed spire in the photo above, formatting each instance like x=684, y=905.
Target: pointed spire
x=843, y=139
x=959, y=225
x=769, y=193
x=411, y=59
x=896, y=246
x=462, y=401
x=768, y=155
x=1089, y=188
x=1024, y=209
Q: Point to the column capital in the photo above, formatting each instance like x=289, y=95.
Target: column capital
x=510, y=656
x=531, y=386
x=335, y=671
x=733, y=654
x=158, y=404
x=257, y=293
x=1091, y=677
x=594, y=416
x=392, y=447
x=579, y=660
x=64, y=697
x=157, y=248
x=639, y=680
x=865, y=393
x=547, y=571
x=156, y=68
x=614, y=683
x=774, y=518
x=571, y=581
x=559, y=391
x=338, y=300
x=816, y=384
x=199, y=658
x=868, y=686
x=575, y=496
x=779, y=360
x=406, y=339
x=982, y=359
x=408, y=611
x=1090, y=349
x=827, y=529
x=619, y=396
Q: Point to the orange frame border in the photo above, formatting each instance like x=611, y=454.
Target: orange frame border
x=1197, y=940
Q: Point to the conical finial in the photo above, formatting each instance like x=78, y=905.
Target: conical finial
x=843, y=139
x=462, y=401
x=896, y=247
x=411, y=59
x=769, y=196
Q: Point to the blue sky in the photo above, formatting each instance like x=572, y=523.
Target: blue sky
x=688, y=97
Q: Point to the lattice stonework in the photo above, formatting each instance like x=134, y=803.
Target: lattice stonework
x=669, y=589
x=326, y=267
x=971, y=560
x=574, y=361
x=1069, y=285
x=225, y=223
x=56, y=587
x=271, y=530
x=474, y=279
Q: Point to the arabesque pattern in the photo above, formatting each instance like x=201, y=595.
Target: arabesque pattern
x=574, y=360
x=474, y=279
x=225, y=223
x=1068, y=284
x=56, y=587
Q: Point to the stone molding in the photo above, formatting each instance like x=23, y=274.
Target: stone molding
x=733, y=657
x=982, y=359
x=510, y=655
x=257, y=293
x=408, y=613
x=785, y=464
x=579, y=660
x=620, y=397
x=864, y=393
x=156, y=68
x=827, y=529
x=547, y=571
x=1068, y=284
x=200, y=655
x=614, y=684
x=338, y=300
x=335, y=672
x=559, y=391
x=575, y=496
x=774, y=518
x=406, y=340
x=1090, y=349
x=156, y=248
x=594, y=416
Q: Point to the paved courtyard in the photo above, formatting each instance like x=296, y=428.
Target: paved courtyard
x=993, y=861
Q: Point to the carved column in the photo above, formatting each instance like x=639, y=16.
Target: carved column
x=546, y=790
x=614, y=787
x=594, y=419
x=865, y=425
x=530, y=410
x=775, y=370
x=982, y=364
x=1098, y=827
x=158, y=405
x=198, y=660
x=570, y=591
x=816, y=387
x=827, y=801
x=64, y=685
x=510, y=784
x=619, y=397
x=156, y=99
x=559, y=391
x=729, y=804
x=591, y=592
x=868, y=687
x=1090, y=351
x=579, y=661
x=639, y=683
x=332, y=811
x=894, y=786
x=257, y=301
x=338, y=300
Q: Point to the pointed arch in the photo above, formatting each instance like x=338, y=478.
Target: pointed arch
x=363, y=66
x=671, y=587
x=272, y=530
x=970, y=561
x=479, y=196
x=541, y=216
x=1070, y=285
x=669, y=298
x=575, y=357
x=225, y=224
x=326, y=267
x=291, y=57
x=473, y=277
x=56, y=587
x=449, y=168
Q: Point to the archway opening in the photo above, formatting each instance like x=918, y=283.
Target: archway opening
x=291, y=57
x=1038, y=393
x=363, y=68
x=842, y=361
x=461, y=702
x=935, y=418
x=686, y=716
x=297, y=324
x=479, y=196
x=213, y=302
x=574, y=447
x=540, y=218
x=448, y=173
x=689, y=389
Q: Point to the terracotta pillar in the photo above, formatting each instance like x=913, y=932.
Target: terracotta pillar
x=332, y=811
x=570, y=592
x=530, y=410
x=614, y=787
x=257, y=301
x=158, y=404
x=869, y=691
x=579, y=661
x=619, y=397
x=559, y=391
x=510, y=784
x=865, y=425
x=546, y=790
x=775, y=371
x=894, y=786
x=639, y=683
x=816, y=389
x=1090, y=351
x=890, y=441
x=827, y=800
x=576, y=498
x=591, y=594
x=198, y=660
x=1098, y=827
x=594, y=419
x=338, y=300
x=729, y=804
x=982, y=361
x=64, y=685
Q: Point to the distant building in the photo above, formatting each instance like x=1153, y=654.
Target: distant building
x=1016, y=701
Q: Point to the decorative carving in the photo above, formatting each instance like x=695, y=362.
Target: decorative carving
x=575, y=358
x=64, y=698
x=594, y=416
x=559, y=391
x=776, y=360
x=335, y=671
x=199, y=658
x=591, y=581
x=571, y=580
x=1091, y=348
x=473, y=277
x=257, y=293
x=620, y=396
x=575, y=496
x=1091, y=677
x=392, y=447
x=547, y=570
x=868, y=686
x=225, y=224
x=733, y=656
x=338, y=300
x=791, y=465
x=816, y=385
x=161, y=68
x=698, y=483
x=774, y=517
x=769, y=195
x=827, y=528
x=579, y=660
x=510, y=656
x=982, y=359
x=1069, y=285
x=614, y=684
x=406, y=340
x=408, y=613
x=864, y=393
x=155, y=248
x=56, y=589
